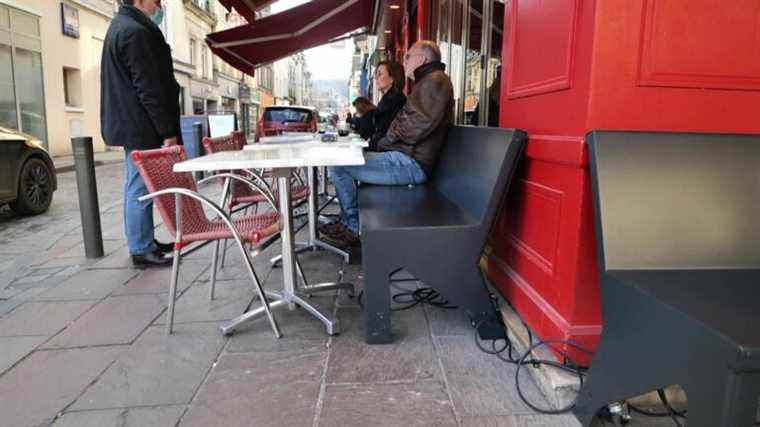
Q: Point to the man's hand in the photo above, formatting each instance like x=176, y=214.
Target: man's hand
x=168, y=142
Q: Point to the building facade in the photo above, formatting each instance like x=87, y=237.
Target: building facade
x=49, y=68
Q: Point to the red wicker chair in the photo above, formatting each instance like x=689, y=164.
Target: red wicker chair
x=181, y=208
x=241, y=194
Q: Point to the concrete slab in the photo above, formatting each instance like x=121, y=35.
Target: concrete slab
x=129, y=417
x=115, y=320
x=259, y=389
x=13, y=349
x=42, y=385
x=42, y=318
x=88, y=285
x=420, y=404
x=157, y=370
x=230, y=300
x=482, y=384
x=567, y=420
x=156, y=280
x=410, y=358
x=300, y=332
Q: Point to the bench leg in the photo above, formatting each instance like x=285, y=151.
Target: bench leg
x=468, y=291
x=728, y=400
x=377, y=303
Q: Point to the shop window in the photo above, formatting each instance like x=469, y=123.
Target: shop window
x=72, y=87
x=22, y=101
x=198, y=107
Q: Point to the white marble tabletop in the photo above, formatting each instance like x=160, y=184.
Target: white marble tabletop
x=304, y=140
x=279, y=156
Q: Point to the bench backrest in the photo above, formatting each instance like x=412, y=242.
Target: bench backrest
x=676, y=200
x=475, y=167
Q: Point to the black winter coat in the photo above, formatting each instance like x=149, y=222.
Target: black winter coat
x=139, y=104
x=390, y=104
x=364, y=124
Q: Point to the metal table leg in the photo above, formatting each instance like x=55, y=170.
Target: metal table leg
x=289, y=295
x=314, y=243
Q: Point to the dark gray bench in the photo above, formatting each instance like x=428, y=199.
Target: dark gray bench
x=678, y=237
x=437, y=231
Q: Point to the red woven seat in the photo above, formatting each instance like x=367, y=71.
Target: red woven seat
x=170, y=189
x=241, y=194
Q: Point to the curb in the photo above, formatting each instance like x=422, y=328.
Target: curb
x=70, y=168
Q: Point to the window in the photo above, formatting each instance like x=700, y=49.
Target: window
x=192, y=51
x=72, y=87
x=204, y=63
x=22, y=101
x=198, y=107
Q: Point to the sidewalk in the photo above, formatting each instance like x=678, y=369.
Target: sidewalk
x=82, y=343
x=65, y=164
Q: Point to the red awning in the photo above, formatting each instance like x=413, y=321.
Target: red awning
x=247, y=8
x=277, y=36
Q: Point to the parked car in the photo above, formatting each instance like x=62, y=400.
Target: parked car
x=275, y=120
x=27, y=174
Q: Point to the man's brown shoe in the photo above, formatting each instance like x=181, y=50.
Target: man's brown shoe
x=332, y=229
x=343, y=239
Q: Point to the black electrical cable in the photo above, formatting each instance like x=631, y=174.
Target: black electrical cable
x=653, y=414
x=409, y=298
x=673, y=415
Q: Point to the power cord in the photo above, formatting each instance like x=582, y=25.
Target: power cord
x=409, y=298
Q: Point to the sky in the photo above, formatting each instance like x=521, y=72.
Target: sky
x=324, y=62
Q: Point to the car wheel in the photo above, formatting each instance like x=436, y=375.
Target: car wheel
x=35, y=188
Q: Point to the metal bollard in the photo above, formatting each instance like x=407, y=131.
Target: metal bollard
x=198, y=145
x=89, y=210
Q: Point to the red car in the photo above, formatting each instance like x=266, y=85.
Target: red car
x=278, y=119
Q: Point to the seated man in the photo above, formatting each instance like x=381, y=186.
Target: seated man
x=408, y=152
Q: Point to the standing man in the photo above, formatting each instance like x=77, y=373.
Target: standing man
x=139, y=110
x=409, y=151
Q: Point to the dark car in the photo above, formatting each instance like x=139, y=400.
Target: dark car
x=27, y=174
x=278, y=119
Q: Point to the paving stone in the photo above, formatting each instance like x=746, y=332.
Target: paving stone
x=482, y=384
x=88, y=285
x=68, y=261
x=156, y=280
x=300, y=332
x=409, y=358
x=259, y=389
x=117, y=260
x=129, y=417
x=43, y=384
x=13, y=349
x=42, y=318
x=115, y=320
x=230, y=300
x=420, y=404
x=565, y=420
x=157, y=369
x=445, y=323
x=8, y=306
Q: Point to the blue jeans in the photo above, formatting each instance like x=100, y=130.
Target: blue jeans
x=138, y=216
x=387, y=168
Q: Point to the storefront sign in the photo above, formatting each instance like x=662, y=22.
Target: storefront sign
x=70, y=20
x=244, y=94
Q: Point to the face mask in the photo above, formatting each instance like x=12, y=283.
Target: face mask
x=158, y=16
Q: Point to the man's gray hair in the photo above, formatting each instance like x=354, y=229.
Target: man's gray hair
x=430, y=50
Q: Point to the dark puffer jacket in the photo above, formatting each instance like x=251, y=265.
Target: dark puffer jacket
x=139, y=105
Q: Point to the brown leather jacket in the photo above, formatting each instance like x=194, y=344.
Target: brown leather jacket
x=420, y=128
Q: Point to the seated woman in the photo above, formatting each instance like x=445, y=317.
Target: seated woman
x=389, y=80
x=363, y=121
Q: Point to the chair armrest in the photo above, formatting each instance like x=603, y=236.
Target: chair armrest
x=177, y=192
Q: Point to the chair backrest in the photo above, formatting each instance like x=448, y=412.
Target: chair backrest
x=156, y=170
x=475, y=167
x=676, y=200
x=232, y=142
